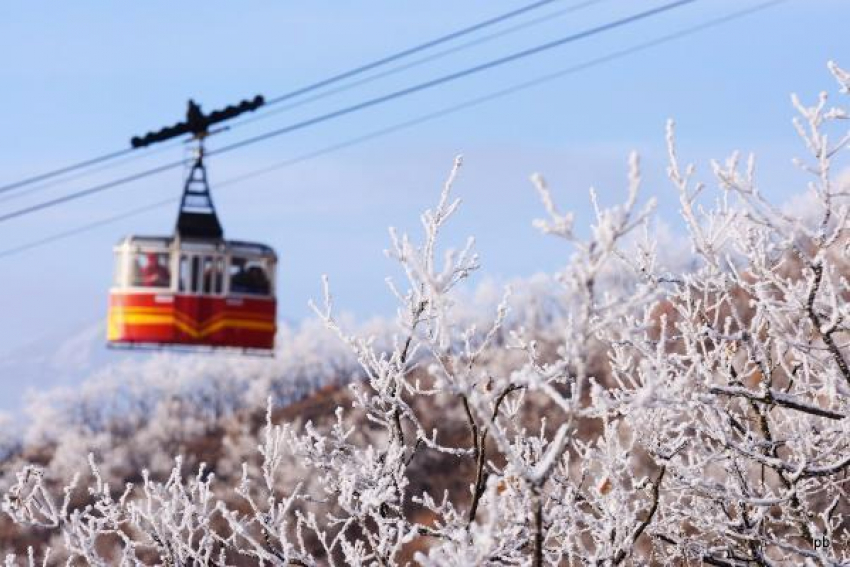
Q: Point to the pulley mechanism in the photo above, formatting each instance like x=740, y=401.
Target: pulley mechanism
x=197, y=217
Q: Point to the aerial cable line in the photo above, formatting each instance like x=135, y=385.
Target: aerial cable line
x=452, y=76
x=410, y=51
x=52, y=180
x=302, y=90
x=415, y=63
x=86, y=173
x=66, y=169
x=91, y=190
x=613, y=56
x=356, y=107
x=86, y=227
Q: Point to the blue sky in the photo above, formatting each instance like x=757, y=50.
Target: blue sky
x=80, y=78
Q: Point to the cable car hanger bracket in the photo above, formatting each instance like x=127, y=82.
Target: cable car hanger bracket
x=197, y=216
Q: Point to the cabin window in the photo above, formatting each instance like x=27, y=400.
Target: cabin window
x=249, y=275
x=150, y=269
x=213, y=272
x=190, y=271
x=185, y=274
x=201, y=274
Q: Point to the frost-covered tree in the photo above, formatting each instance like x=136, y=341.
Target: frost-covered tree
x=663, y=414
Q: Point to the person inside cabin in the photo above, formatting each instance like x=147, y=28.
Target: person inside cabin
x=152, y=270
x=248, y=277
x=239, y=282
x=259, y=283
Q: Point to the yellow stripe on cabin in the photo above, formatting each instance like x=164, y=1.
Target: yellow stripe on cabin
x=119, y=318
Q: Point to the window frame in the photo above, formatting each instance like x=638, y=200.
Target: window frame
x=196, y=259
x=121, y=267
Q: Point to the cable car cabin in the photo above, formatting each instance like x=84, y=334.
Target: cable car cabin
x=210, y=293
x=195, y=288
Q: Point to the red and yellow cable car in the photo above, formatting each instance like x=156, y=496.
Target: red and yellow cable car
x=193, y=289
x=168, y=290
